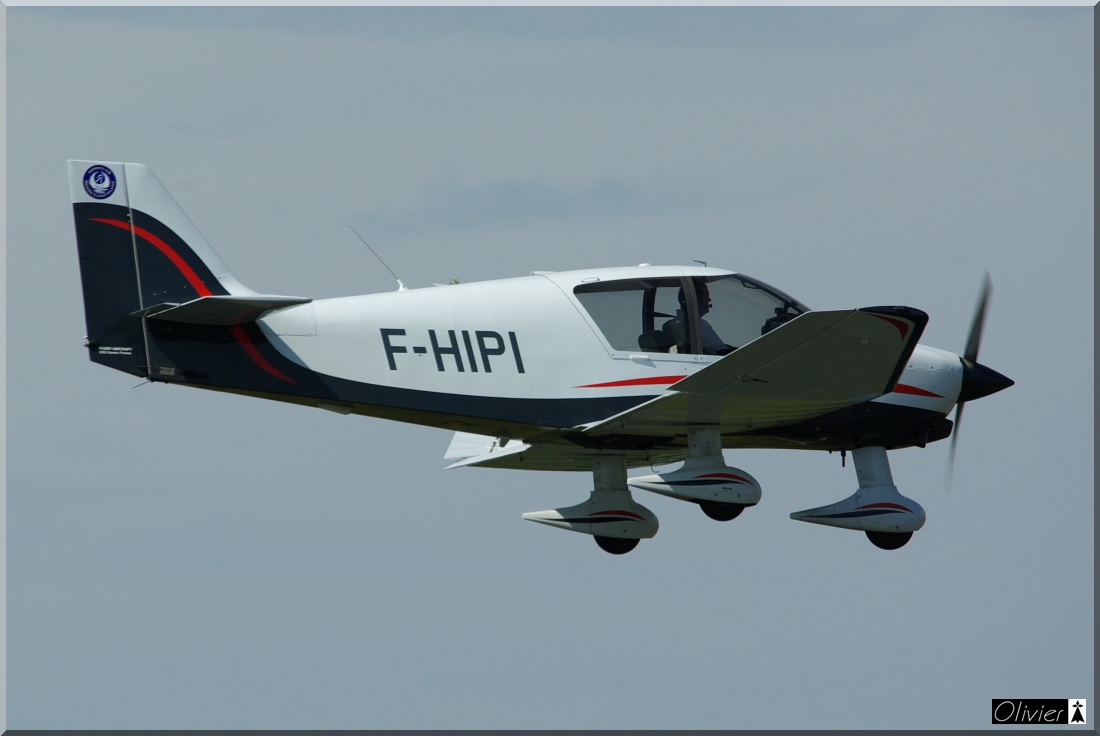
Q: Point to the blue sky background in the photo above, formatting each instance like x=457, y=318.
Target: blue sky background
x=182, y=559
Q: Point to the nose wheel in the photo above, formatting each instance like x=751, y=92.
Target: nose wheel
x=889, y=540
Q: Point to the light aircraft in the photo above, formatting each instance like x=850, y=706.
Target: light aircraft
x=595, y=370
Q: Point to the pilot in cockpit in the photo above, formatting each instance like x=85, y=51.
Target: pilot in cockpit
x=709, y=341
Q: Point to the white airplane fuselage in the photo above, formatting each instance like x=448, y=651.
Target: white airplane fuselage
x=527, y=342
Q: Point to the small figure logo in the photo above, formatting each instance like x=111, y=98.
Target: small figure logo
x=1039, y=712
x=99, y=182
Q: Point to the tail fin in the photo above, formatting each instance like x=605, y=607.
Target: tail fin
x=140, y=257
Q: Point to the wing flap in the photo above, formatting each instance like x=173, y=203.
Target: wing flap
x=472, y=450
x=475, y=449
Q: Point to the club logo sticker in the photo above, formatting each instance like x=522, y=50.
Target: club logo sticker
x=99, y=182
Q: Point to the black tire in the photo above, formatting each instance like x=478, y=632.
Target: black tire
x=721, y=511
x=889, y=540
x=615, y=545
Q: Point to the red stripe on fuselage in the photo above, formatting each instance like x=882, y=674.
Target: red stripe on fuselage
x=902, y=388
x=242, y=337
x=650, y=381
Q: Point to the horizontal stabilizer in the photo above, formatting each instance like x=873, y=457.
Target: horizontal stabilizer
x=222, y=310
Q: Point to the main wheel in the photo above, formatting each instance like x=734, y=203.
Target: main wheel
x=615, y=545
x=889, y=540
x=721, y=511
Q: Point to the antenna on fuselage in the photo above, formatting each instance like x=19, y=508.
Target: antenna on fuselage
x=400, y=285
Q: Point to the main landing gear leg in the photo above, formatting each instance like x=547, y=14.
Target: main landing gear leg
x=721, y=491
x=610, y=514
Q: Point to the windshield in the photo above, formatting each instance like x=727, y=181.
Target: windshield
x=699, y=315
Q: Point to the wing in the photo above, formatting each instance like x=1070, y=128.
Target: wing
x=815, y=364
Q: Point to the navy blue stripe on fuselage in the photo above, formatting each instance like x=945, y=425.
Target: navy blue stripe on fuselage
x=213, y=357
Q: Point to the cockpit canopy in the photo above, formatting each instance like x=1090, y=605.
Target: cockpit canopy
x=699, y=315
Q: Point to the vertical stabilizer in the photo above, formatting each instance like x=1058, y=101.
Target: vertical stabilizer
x=137, y=250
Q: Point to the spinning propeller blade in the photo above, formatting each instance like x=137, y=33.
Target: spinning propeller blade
x=974, y=340
x=978, y=380
x=949, y=476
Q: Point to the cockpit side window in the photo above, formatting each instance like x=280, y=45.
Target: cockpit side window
x=631, y=313
x=742, y=309
x=700, y=315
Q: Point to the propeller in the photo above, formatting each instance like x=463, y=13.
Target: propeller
x=978, y=380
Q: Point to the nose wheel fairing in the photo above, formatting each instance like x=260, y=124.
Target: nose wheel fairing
x=876, y=507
